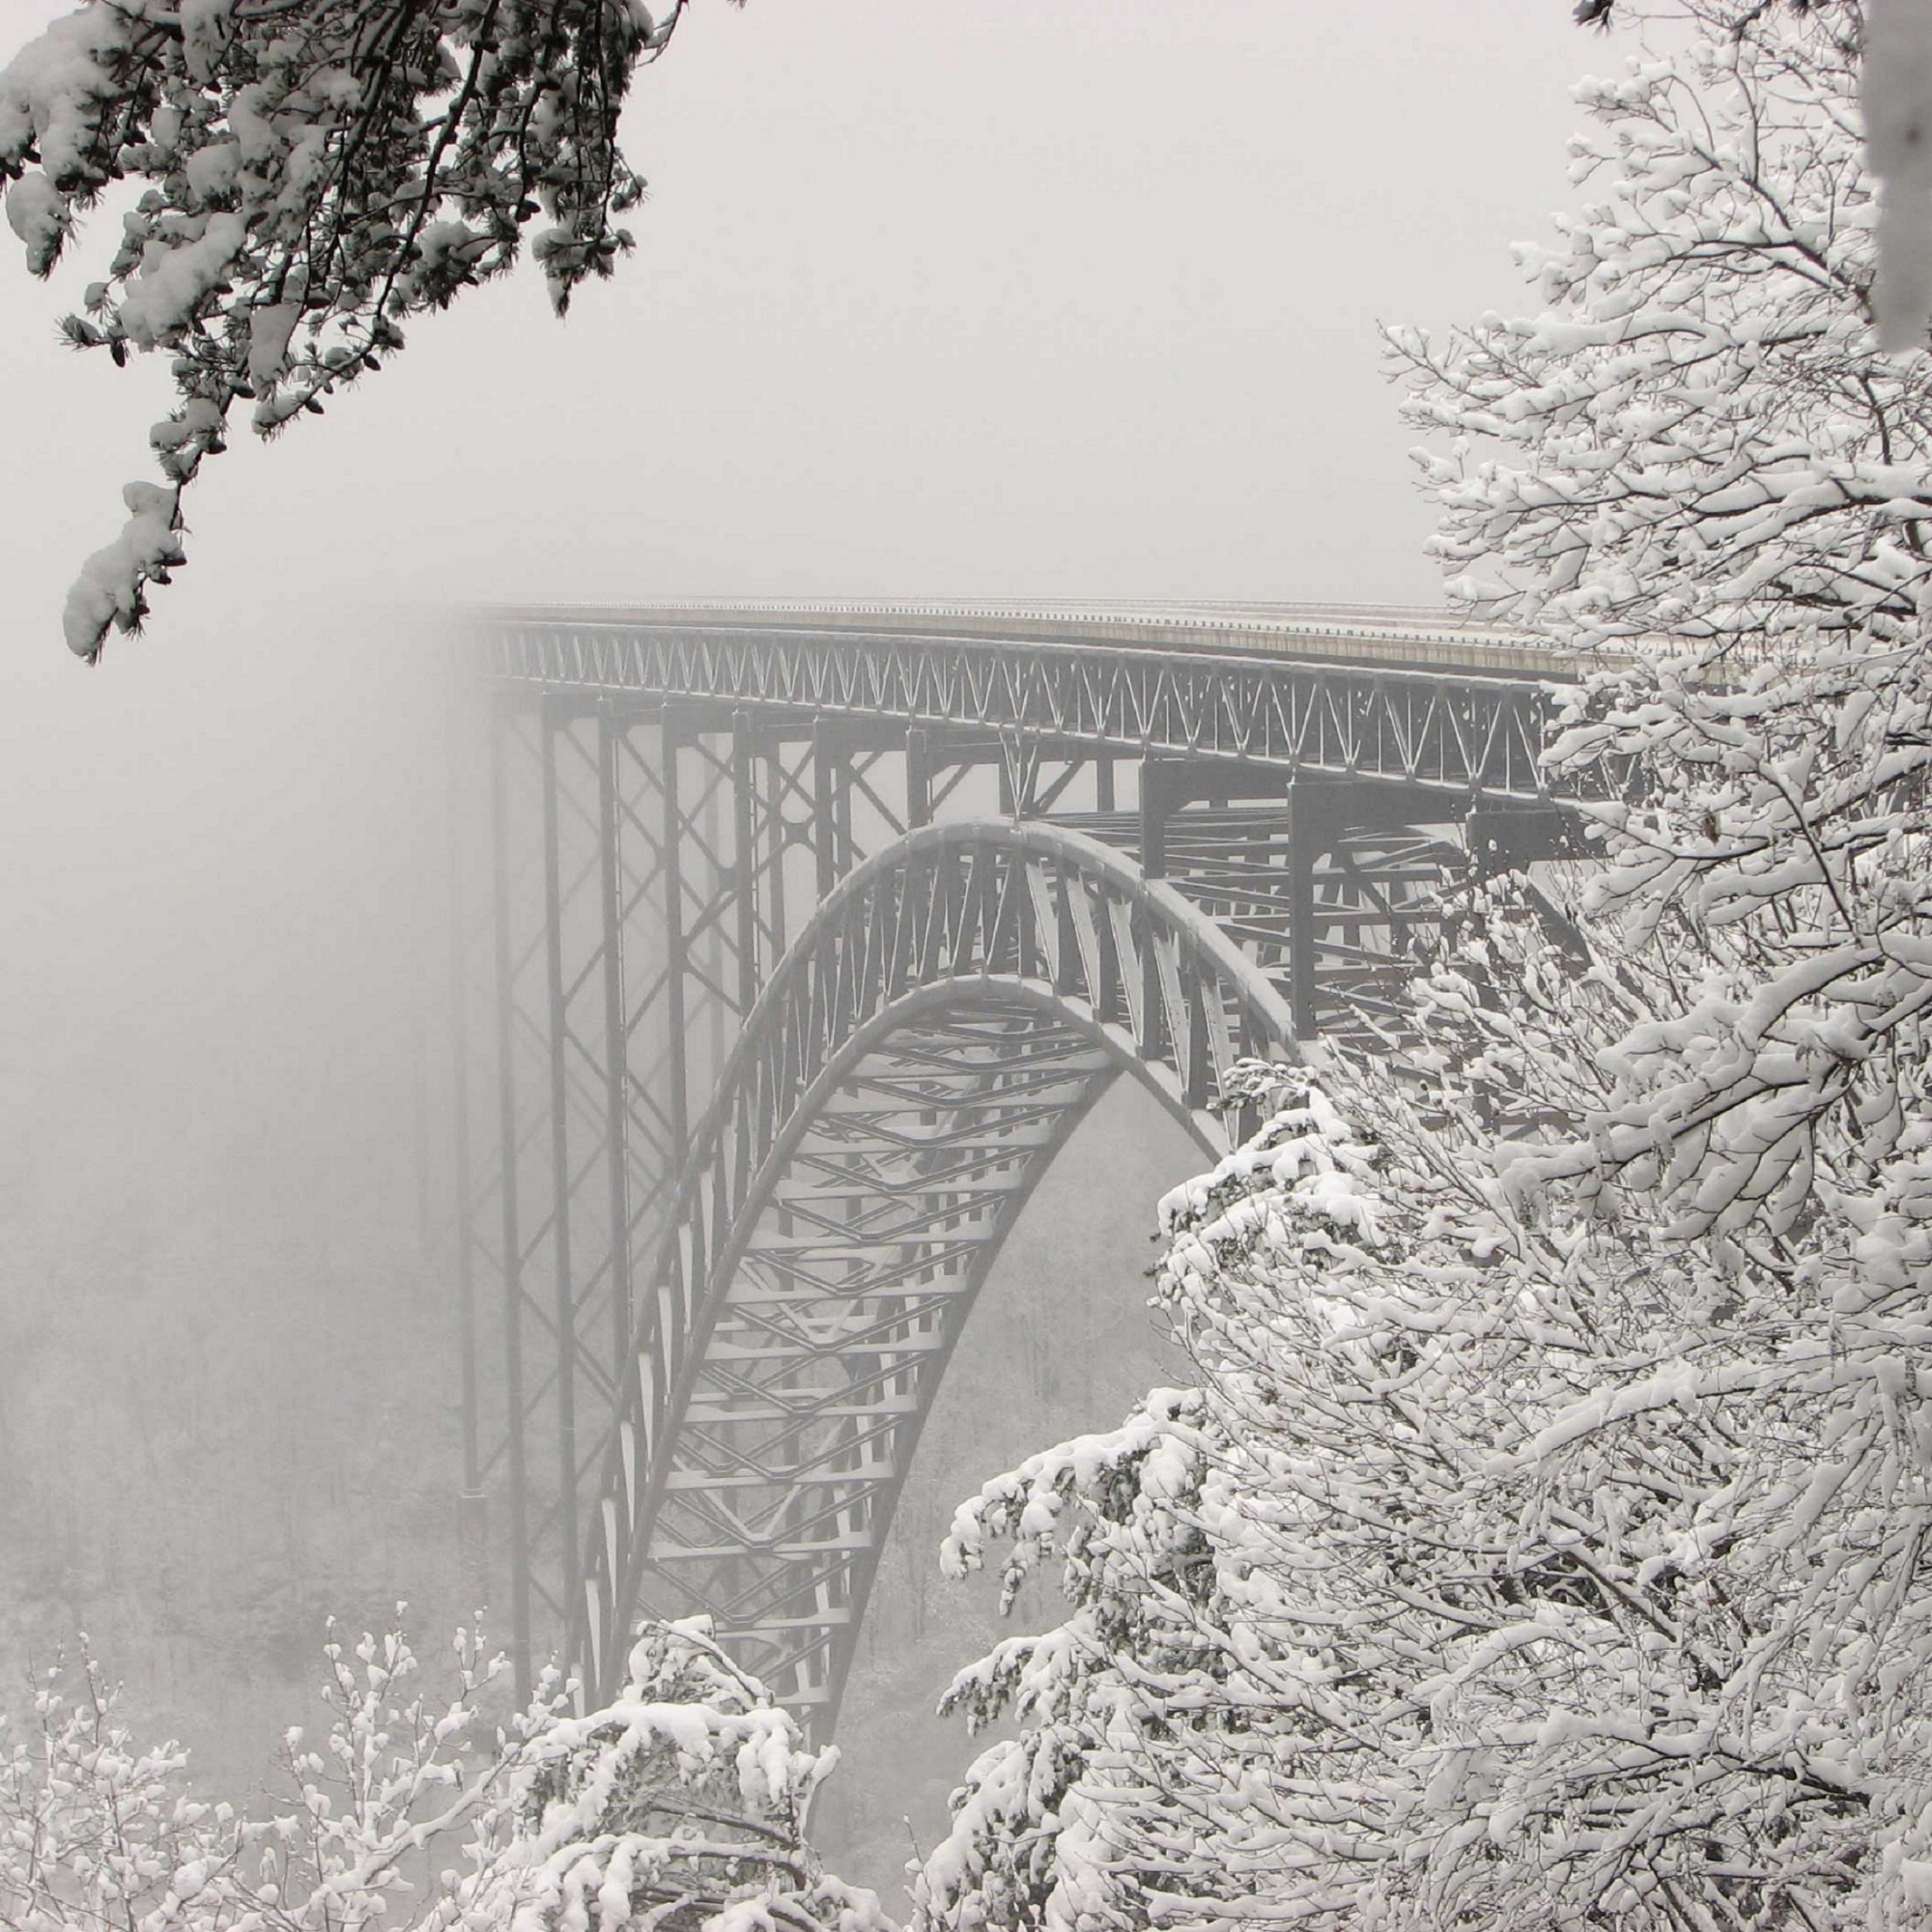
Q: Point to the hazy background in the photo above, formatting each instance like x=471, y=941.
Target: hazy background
x=1037, y=298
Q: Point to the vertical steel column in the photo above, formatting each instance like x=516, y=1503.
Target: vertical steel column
x=678, y=1112
x=918, y=778
x=775, y=836
x=1153, y=819
x=745, y=858
x=469, y=1504
x=712, y=967
x=1304, y=841
x=1154, y=804
x=824, y=807
x=513, y=1259
x=420, y=1123
x=616, y=1034
x=842, y=789
x=549, y=724
x=1197, y=991
x=1103, y=781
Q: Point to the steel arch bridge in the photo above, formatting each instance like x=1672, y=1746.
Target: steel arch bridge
x=807, y=935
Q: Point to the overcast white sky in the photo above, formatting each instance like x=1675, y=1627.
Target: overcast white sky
x=1054, y=297
x=1065, y=297
x=1032, y=296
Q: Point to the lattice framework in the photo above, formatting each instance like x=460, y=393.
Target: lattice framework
x=808, y=948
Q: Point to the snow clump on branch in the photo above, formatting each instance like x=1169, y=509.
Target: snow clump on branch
x=681, y=1807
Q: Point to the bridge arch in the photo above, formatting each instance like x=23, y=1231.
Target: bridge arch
x=925, y=1048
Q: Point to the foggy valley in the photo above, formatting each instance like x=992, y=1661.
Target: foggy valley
x=1072, y=850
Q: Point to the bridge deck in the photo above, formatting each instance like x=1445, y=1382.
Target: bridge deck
x=1384, y=635
x=1408, y=697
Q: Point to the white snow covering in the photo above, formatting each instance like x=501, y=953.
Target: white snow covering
x=108, y=590
x=269, y=329
x=38, y=213
x=205, y=27
x=50, y=91
x=199, y=418
x=176, y=271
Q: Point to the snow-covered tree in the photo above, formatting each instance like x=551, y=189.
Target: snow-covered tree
x=1694, y=460
x=310, y=177
x=1692, y=436
x=1896, y=98
x=681, y=1807
x=1512, y=1563
x=1544, y=1543
x=400, y=1777
x=97, y=1830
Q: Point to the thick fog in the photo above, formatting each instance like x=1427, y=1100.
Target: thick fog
x=1050, y=299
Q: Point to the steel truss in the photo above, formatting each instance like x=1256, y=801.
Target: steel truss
x=791, y=1426
x=948, y=1014
x=806, y=950
x=1466, y=733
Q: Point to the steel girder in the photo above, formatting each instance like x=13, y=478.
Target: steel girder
x=805, y=1398
x=948, y=1014
x=1333, y=914
x=1466, y=734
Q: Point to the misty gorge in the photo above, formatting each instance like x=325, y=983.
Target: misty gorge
x=945, y=987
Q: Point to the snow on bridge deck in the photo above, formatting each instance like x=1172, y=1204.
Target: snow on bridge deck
x=1414, y=637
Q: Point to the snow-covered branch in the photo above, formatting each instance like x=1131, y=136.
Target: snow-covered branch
x=311, y=177
x=1506, y=1567
x=680, y=1808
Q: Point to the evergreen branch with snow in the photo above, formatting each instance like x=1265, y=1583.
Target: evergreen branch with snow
x=312, y=175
